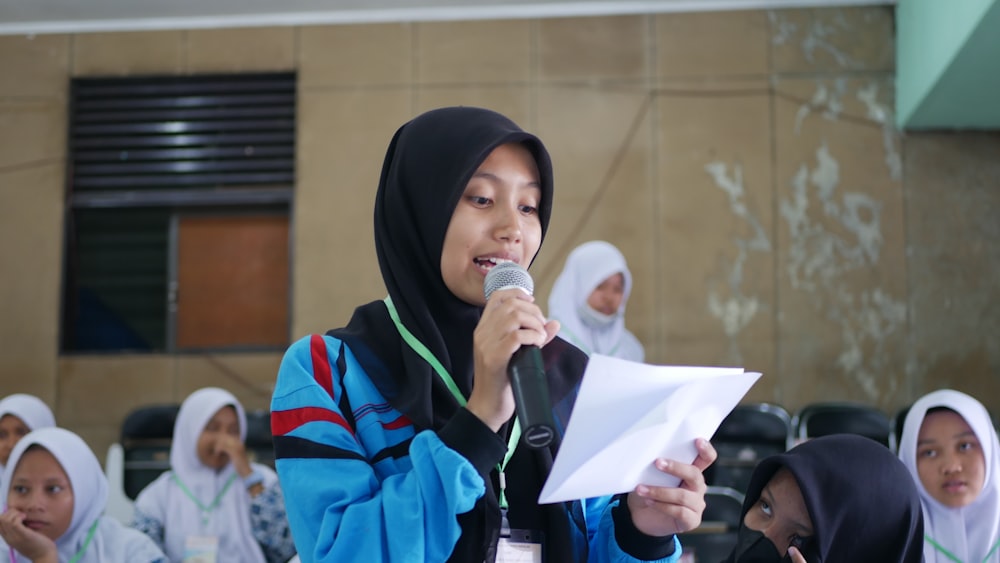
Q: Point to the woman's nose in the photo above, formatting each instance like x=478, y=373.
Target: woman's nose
x=951, y=465
x=508, y=225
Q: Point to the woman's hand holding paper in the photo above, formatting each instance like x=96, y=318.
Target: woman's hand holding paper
x=662, y=511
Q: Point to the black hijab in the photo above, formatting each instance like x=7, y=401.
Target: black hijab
x=427, y=166
x=862, y=501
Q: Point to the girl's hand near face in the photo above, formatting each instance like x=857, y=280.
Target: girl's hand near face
x=33, y=545
x=234, y=448
x=510, y=320
x=662, y=511
x=796, y=555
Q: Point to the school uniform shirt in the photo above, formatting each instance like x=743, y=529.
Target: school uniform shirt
x=971, y=533
x=32, y=411
x=587, y=266
x=92, y=537
x=863, y=505
x=248, y=529
x=382, y=461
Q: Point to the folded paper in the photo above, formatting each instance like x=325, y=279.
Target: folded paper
x=628, y=414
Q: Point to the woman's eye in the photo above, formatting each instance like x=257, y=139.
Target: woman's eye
x=19, y=489
x=55, y=489
x=926, y=453
x=529, y=210
x=479, y=200
x=765, y=508
x=965, y=446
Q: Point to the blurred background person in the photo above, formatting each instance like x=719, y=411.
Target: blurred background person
x=588, y=299
x=21, y=413
x=212, y=490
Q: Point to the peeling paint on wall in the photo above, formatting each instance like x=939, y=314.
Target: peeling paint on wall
x=816, y=35
x=732, y=307
x=819, y=259
x=827, y=101
x=882, y=114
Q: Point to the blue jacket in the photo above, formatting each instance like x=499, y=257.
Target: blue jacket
x=363, y=485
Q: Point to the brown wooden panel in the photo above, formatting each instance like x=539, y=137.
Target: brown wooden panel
x=232, y=278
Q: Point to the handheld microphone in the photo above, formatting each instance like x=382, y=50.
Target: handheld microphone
x=526, y=372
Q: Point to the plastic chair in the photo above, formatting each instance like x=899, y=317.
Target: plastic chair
x=748, y=434
x=146, y=436
x=120, y=506
x=716, y=537
x=822, y=419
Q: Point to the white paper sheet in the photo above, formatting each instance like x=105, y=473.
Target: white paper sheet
x=627, y=414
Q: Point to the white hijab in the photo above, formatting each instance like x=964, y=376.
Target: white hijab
x=32, y=411
x=181, y=517
x=971, y=531
x=586, y=267
x=111, y=541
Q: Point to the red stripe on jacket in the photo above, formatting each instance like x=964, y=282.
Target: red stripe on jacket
x=283, y=422
x=402, y=422
x=320, y=363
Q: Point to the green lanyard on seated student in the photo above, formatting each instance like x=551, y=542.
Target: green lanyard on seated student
x=90, y=535
x=206, y=511
x=428, y=356
x=951, y=555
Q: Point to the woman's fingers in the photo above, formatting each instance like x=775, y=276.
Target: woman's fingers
x=706, y=454
x=796, y=555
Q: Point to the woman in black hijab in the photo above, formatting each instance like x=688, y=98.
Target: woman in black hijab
x=835, y=499
x=390, y=432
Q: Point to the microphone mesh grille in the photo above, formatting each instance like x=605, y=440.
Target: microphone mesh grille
x=506, y=275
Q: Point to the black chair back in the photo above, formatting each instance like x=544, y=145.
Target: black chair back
x=822, y=419
x=748, y=434
x=146, y=436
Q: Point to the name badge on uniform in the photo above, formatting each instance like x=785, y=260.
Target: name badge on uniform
x=519, y=546
x=201, y=549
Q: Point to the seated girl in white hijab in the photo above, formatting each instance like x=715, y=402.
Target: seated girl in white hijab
x=56, y=493
x=588, y=299
x=213, y=501
x=19, y=414
x=950, y=446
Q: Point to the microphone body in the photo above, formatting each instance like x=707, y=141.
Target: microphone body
x=525, y=370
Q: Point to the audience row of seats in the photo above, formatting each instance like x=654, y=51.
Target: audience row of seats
x=754, y=431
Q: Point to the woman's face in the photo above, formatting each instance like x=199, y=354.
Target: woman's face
x=223, y=424
x=780, y=513
x=12, y=429
x=607, y=297
x=950, y=459
x=40, y=488
x=496, y=219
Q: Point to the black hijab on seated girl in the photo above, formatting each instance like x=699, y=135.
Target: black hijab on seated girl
x=429, y=162
x=863, y=504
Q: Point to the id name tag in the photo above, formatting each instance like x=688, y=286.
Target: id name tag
x=519, y=546
x=201, y=549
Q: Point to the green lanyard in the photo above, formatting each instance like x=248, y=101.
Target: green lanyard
x=428, y=356
x=86, y=542
x=951, y=555
x=205, y=510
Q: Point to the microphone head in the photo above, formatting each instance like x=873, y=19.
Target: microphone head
x=506, y=275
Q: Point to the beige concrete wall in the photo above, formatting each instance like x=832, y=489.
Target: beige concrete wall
x=745, y=163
